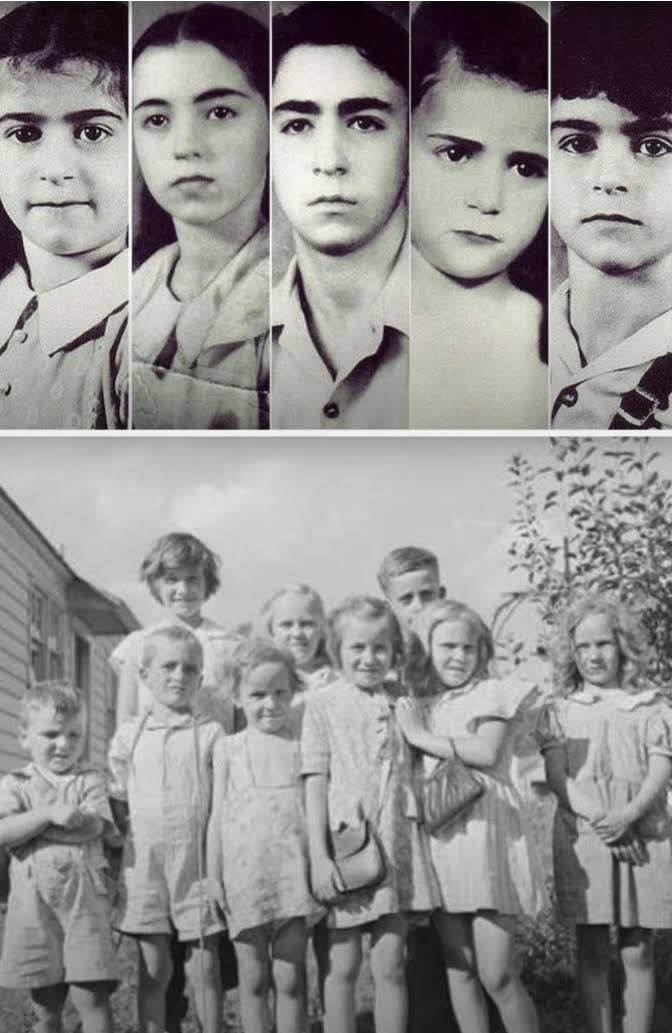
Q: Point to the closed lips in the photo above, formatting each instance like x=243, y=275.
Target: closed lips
x=603, y=217
x=336, y=199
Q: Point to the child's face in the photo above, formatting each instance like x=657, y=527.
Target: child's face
x=266, y=698
x=366, y=651
x=173, y=674
x=611, y=184
x=63, y=159
x=479, y=158
x=596, y=651
x=200, y=132
x=181, y=590
x=55, y=742
x=409, y=593
x=340, y=146
x=297, y=626
x=454, y=653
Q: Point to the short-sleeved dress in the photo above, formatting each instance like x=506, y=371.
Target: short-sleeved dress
x=58, y=927
x=607, y=740
x=264, y=844
x=213, y=699
x=353, y=738
x=485, y=860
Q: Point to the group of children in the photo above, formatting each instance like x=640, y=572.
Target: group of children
x=240, y=758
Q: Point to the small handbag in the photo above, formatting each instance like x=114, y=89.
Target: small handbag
x=446, y=793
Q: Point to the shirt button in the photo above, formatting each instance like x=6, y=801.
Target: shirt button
x=331, y=410
x=5, y=388
x=569, y=396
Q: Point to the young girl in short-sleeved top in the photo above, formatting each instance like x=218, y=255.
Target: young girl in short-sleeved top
x=607, y=745
x=487, y=871
x=357, y=766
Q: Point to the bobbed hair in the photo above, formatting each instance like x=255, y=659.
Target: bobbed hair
x=179, y=549
x=366, y=608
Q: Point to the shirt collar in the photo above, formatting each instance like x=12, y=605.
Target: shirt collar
x=185, y=720
x=623, y=701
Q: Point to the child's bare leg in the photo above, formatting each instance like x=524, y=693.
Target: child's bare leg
x=202, y=967
x=639, y=991
x=48, y=1003
x=92, y=1001
x=345, y=959
x=254, y=979
x=153, y=977
x=493, y=942
x=388, y=968
x=289, y=977
x=592, y=960
x=459, y=954
x=321, y=950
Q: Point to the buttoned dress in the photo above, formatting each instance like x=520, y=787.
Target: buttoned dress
x=64, y=352
x=202, y=363
x=485, y=859
x=371, y=391
x=352, y=737
x=587, y=395
x=164, y=770
x=607, y=740
x=59, y=922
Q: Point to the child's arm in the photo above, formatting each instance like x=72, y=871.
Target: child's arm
x=611, y=826
x=127, y=693
x=565, y=788
x=322, y=874
x=213, y=857
x=482, y=749
x=16, y=829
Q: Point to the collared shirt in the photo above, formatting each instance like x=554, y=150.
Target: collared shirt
x=202, y=364
x=587, y=395
x=371, y=393
x=63, y=352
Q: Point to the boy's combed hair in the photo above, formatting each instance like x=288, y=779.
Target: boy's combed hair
x=179, y=549
x=621, y=50
x=65, y=700
x=366, y=608
x=419, y=670
x=630, y=633
x=402, y=561
x=263, y=624
x=376, y=37
x=170, y=633
x=258, y=651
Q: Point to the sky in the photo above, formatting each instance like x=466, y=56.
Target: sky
x=276, y=509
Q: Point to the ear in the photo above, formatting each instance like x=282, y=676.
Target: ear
x=23, y=737
x=442, y=592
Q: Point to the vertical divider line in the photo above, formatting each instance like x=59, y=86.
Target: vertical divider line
x=270, y=215
x=408, y=216
x=549, y=335
x=131, y=213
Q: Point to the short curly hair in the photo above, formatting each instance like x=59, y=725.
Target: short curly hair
x=60, y=696
x=629, y=632
x=366, y=608
x=420, y=670
x=179, y=549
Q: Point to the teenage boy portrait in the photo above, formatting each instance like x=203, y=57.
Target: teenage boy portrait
x=340, y=164
x=611, y=194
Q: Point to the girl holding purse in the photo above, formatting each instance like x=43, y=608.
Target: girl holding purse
x=483, y=860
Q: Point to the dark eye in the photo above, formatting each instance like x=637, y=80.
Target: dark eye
x=25, y=134
x=456, y=152
x=366, y=124
x=91, y=133
x=220, y=113
x=654, y=147
x=578, y=144
x=530, y=170
x=296, y=127
x=156, y=121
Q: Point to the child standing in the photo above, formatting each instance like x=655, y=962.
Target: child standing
x=409, y=579
x=162, y=763
x=295, y=619
x=53, y=814
x=483, y=860
x=608, y=751
x=356, y=767
x=258, y=844
x=64, y=216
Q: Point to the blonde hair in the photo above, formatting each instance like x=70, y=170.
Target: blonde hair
x=419, y=669
x=631, y=637
x=263, y=624
x=65, y=700
x=171, y=633
x=367, y=608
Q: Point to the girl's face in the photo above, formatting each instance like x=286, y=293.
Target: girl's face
x=181, y=590
x=479, y=160
x=454, y=653
x=266, y=698
x=366, y=651
x=201, y=132
x=596, y=651
x=297, y=625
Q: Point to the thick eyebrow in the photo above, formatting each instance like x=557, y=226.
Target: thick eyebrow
x=474, y=144
x=582, y=124
x=533, y=156
x=72, y=118
x=647, y=125
x=213, y=94
x=349, y=106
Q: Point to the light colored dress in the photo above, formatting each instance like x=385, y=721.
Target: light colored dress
x=485, y=859
x=264, y=845
x=352, y=737
x=607, y=741
x=214, y=699
x=164, y=770
x=58, y=927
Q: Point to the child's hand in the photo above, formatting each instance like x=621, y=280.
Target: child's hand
x=323, y=878
x=613, y=825
x=216, y=895
x=410, y=720
x=65, y=815
x=630, y=850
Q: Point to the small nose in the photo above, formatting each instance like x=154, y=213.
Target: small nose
x=187, y=140
x=329, y=155
x=609, y=170
x=57, y=160
x=487, y=187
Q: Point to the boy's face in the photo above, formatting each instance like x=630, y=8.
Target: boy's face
x=266, y=698
x=409, y=593
x=366, y=651
x=340, y=146
x=200, y=132
x=611, y=184
x=181, y=590
x=63, y=159
x=55, y=742
x=174, y=673
x=479, y=188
